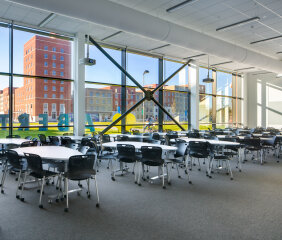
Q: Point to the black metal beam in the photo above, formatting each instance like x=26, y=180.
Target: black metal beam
x=161, y=96
x=171, y=76
x=123, y=89
x=122, y=116
x=116, y=64
x=11, y=70
x=167, y=113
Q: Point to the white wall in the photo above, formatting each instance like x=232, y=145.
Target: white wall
x=263, y=100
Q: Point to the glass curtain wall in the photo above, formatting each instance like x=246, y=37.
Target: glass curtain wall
x=38, y=76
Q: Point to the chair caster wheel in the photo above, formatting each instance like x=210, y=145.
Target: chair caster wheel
x=38, y=190
x=22, y=199
x=80, y=185
x=240, y=170
x=89, y=196
x=66, y=209
x=50, y=201
x=199, y=169
x=97, y=205
x=62, y=199
x=43, y=193
x=121, y=175
x=57, y=200
x=227, y=173
x=186, y=172
x=107, y=167
x=20, y=188
x=133, y=173
x=164, y=187
x=231, y=178
x=169, y=183
x=53, y=183
x=139, y=185
x=277, y=161
x=17, y=196
x=194, y=164
x=135, y=182
x=210, y=176
x=57, y=188
x=16, y=179
x=113, y=179
x=41, y=206
x=190, y=182
x=204, y=163
x=0, y=185
x=47, y=183
x=179, y=176
x=147, y=177
x=97, y=170
x=78, y=193
x=2, y=191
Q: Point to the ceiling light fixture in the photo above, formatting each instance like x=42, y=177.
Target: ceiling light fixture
x=179, y=5
x=267, y=39
x=112, y=35
x=217, y=64
x=196, y=56
x=208, y=79
x=278, y=52
x=46, y=20
x=237, y=24
x=166, y=45
x=241, y=69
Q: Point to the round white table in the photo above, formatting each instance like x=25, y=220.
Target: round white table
x=212, y=142
x=16, y=141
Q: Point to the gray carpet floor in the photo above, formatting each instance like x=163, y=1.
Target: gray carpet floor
x=249, y=207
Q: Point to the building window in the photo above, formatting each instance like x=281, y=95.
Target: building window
x=62, y=65
x=62, y=89
x=62, y=96
x=45, y=80
x=45, y=55
x=45, y=95
x=62, y=82
x=54, y=49
x=91, y=94
x=45, y=64
x=62, y=58
x=45, y=72
x=61, y=74
x=91, y=101
x=53, y=95
x=45, y=88
x=53, y=65
x=97, y=94
x=54, y=57
x=45, y=47
x=54, y=73
x=54, y=88
x=62, y=50
x=53, y=81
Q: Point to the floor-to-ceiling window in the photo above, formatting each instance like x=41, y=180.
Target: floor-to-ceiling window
x=36, y=70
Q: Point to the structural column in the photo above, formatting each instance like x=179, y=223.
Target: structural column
x=161, y=76
x=79, y=85
x=194, y=98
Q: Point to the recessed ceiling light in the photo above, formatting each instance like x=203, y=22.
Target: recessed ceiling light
x=266, y=39
x=217, y=64
x=237, y=24
x=179, y=5
x=166, y=45
x=46, y=20
x=112, y=35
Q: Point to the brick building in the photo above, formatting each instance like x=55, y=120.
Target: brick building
x=50, y=57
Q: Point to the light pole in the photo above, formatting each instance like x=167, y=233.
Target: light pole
x=145, y=72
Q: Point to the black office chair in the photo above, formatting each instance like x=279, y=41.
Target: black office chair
x=181, y=157
x=169, y=137
x=43, y=139
x=19, y=167
x=35, y=166
x=199, y=150
x=122, y=138
x=193, y=135
x=80, y=168
x=254, y=145
x=28, y=137
x=127, y=154
x=54, y=141
x=13, y=136
x=152, y=156
x=271, y=144
x=66, y=141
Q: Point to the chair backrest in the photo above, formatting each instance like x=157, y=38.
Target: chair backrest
x=199, y=149
x=14, y=159
x=181, y=147
x=13, y=136
x=66, y=140
x=135, y=132
x=152, y=154
x=42, y=138
x=156, y=136
x=126, y=151
x=106, y=138
x=193, y=135
x=54, y=140
x=34, y=162
x=122, y=138
x=27, y=144
x=252, y=142
x=84, y=141
x=74, y=146
x=136, y=139
x=83, y=149
x=81, y=163
x=28, y=137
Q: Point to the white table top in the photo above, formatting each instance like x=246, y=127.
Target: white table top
x=164, y=133
x=130, y=136
x=17, y=141
x=49, y=152
x=79, y=138
x=138, y=145
x=213, y=142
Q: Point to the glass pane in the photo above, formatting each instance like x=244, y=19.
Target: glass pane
x=205, y=109
x=104, y=71
x=102, y=107
x=41, y=55
x=223, y=111
x=223, y=83
x=4, y=106
x=204, y=87
x=179, y=81
x=42, y=106
x=4, y=49
x=143, y=69
x=176, y=103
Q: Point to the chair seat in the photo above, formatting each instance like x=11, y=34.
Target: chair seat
x=78, y=176
x=230, y=154
x=42, y=174
x=176, y=160
x=220, y=157
x=151, y=163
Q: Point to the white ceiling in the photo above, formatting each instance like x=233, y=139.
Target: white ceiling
x=201, y=15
